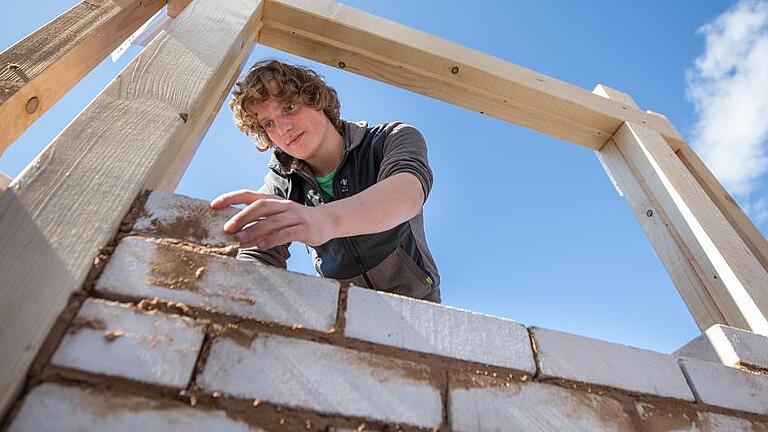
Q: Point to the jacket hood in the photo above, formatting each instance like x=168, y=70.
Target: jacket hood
x=351, y=132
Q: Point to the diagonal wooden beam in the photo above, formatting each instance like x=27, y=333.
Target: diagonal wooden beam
x=41, y=68
x=350, y=39
x=69, y=202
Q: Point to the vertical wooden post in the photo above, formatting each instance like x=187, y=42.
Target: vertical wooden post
x=669, y=247
x=727, y=205
x=728, y=271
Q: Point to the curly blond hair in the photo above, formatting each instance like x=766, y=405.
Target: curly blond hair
x=288, y=84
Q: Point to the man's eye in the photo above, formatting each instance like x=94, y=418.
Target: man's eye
x=267, y=125
x=290, y=108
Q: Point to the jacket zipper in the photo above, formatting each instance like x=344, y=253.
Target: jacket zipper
x=348, y=243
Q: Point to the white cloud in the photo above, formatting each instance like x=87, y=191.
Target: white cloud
x=728, y=86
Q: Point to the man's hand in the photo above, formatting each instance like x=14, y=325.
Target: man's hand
x=269, y=220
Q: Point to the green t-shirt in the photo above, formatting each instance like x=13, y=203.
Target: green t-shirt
x=326, y=182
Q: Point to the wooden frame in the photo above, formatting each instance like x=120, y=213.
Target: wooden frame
x=41, y=68
x=59, y=212
x=89, y=175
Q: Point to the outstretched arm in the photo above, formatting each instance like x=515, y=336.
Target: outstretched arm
x=269, y=220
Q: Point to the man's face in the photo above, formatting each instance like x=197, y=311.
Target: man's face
x=294, y=128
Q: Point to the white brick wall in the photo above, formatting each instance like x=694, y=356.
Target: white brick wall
x=145, y=269
x=577, y=358
x=170, y=215
x=727, y=387
x=655, y=419
x=323, y=378
x=115, y=340
x=430, y=328
x=54, y=408
x=534, y=407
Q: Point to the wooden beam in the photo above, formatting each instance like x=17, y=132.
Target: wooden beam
x=737, y=278
x=39, y=69
x=690, y=281
x=176, y=158
x=69, y=202
x=667, y=243
x=726, y=204
x=347, y=38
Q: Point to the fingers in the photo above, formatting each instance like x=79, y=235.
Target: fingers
x=242, y=196
x=255, y=211
x=281, y=236
x=256, y=233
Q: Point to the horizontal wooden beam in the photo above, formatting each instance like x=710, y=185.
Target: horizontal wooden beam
x=371, y=46
x=71, y=199
x=41, y=68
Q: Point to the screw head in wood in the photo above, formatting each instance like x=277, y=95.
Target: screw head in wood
x=455, y=70
x=649, y=213
x=32, y=105
x=342, y=65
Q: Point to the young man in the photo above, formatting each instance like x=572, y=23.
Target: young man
x=353, y=193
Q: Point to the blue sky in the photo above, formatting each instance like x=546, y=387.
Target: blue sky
x=522, y=225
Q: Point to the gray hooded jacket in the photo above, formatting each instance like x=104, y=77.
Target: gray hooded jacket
x=397, y=260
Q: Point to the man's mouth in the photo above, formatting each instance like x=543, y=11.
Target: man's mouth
x=296, y=139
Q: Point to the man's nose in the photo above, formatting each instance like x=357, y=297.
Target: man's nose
x=284, y=126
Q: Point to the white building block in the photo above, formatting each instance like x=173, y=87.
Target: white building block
x=534, y=407
x=54, y=408
x=700, y=348
x=169, y=215
x=323, y=378
x=431, y=328
x=729, y=346
x=655, y=419
x=727, y=387
x=141, y=268
x=110, y=339
x=578, y=358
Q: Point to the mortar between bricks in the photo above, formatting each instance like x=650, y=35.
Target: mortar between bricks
x=243, y=331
